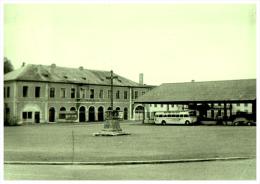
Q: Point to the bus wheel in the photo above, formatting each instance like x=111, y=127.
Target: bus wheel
x=163, y=122
x=187, y=122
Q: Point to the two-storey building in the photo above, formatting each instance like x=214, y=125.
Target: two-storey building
x=40, y=93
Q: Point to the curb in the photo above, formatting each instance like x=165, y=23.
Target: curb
x=126, y=162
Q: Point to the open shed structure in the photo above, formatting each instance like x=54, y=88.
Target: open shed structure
x=211, y=99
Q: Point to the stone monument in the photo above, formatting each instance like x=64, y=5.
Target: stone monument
x=112, y=121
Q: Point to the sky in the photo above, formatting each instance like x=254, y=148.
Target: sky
x=166, y=42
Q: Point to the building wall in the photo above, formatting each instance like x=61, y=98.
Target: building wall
x=19, y=105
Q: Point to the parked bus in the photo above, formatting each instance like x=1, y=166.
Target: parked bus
x=175, y=117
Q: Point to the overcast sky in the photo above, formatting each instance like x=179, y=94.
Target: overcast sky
x=166, y=42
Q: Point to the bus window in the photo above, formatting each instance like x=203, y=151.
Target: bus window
x=177, y=115
x=160, y=115
x=181, y=115
x=192, y=113
x=186, y=115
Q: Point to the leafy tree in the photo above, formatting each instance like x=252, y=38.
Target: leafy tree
x=8, y=67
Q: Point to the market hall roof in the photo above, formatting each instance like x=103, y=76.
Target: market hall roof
x=226, y=90
x=53, y=73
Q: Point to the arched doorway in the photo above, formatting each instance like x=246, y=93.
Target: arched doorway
x=125, y=113
x=91, y=113
x=139, y=112
x=52, y=114
x=82, y=114
x=100, y=113
x=118, y=108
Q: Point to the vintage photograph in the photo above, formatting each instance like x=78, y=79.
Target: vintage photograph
x=129, y=91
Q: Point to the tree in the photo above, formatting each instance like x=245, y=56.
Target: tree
x=8, y=67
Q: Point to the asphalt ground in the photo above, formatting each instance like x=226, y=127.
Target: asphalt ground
x=216, y=170
x=76, y=143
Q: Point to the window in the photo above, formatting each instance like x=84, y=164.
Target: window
x=82, y=93
x=27, y=115
x=172, y=105
x=62, y=113
x=72, y=109
x=37, y=91
x=4, y=92
x=24, y=115
x=92, y=92
x=118, y=94
x=101, y=94
x=25, y=91
x=136, y=94
x=72, y=93
x=246, y=104
x=8, y=92
x=52, y=92
x=125, y=94
x=238, y=104
x=155, y=105
x=109, y=94
x=62, y=92
x=161, y=105
x=143, y=92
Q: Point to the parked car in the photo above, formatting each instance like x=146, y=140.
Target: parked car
x=243, y=118
x=243, y=121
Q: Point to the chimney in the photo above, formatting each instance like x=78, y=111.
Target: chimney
x=53, y=66
x=141, y=78
x=23, y=64
x=192, y=80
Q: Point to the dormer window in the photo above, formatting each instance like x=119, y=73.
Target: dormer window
x=65, y=77
x=84, y=78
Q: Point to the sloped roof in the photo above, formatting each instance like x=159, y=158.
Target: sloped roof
x=228, y=90
x=43, y=73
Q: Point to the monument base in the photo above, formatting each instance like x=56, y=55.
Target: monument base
x=111, y=128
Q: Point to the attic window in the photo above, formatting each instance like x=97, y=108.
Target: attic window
x=45, y=75
x=102, y=79
x=84, y=78
x=65, y=77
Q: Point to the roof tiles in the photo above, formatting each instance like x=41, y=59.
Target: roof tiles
x=43, y=73
x=228, y=90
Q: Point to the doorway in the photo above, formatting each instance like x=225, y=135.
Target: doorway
x=100, y=114
x=125, y=113
x=82, y=114
x=52, y=114
x=37, y=117
x=91, y=114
